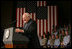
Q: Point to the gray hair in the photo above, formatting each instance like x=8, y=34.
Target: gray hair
x=27, y=14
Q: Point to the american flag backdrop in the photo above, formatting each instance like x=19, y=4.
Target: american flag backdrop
x=44, y=15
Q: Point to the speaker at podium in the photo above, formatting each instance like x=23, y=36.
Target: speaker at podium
x=12, y=39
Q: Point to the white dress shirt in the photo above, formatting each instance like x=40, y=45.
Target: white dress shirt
x=66, y=40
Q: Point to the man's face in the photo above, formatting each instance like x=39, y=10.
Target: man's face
x=25, y=18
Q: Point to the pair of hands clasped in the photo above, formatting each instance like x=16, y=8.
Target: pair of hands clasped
x=19, y=30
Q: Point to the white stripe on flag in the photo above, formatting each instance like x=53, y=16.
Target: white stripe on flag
x=20, y=17
x=45, y=25
x=38, y=27
x=41, y=27
x=17, y=17
x=31, y=15
x=34, y=16
x=44, y=3
x=51, y=18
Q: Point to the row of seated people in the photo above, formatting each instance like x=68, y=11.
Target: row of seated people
x=59, y=38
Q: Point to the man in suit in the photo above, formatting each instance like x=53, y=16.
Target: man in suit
x=29, y=30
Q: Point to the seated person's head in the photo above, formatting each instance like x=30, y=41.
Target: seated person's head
x=56, y=36
x=53, y=36
x=66, y=32
x=63, y=32
x=45, y=35
x=50, y=37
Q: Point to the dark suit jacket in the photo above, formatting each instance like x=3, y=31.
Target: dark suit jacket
x=30, y=31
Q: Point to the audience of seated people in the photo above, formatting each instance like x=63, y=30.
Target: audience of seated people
x=59, y=38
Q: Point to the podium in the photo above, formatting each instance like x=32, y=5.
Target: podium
x=12, y=39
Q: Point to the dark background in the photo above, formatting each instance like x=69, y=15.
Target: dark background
x=8, y=13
